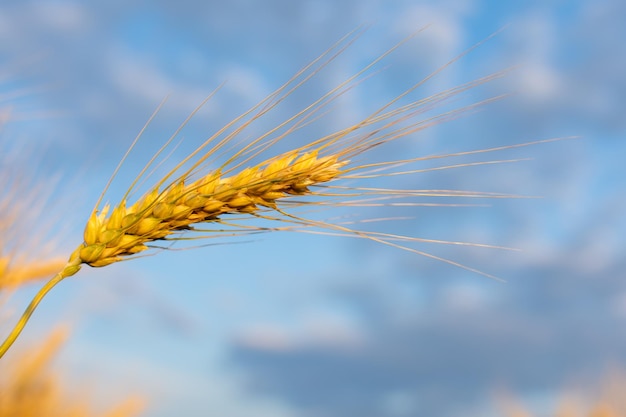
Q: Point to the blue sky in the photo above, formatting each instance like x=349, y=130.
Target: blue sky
x=301, y=325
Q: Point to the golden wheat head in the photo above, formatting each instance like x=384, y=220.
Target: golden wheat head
x=199, y=190
x=158, y=214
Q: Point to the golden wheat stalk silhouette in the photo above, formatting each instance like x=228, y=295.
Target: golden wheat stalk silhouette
x=238, y=188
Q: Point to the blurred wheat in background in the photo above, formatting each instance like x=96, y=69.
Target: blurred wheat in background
x=29, y=387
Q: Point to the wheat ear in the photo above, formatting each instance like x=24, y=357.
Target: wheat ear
x=108, y=238
x=191, y=194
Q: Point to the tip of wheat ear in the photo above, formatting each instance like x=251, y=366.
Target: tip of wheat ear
x=113, y=234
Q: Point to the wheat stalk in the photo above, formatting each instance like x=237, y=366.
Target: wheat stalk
x=191, y=193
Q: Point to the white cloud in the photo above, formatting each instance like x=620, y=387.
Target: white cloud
x=443, y=36
x=323, y=329
x=538, y=81
x=63, y=16
x=243, y=81
x=465, y=297
x=139, y=78
x=266, y=337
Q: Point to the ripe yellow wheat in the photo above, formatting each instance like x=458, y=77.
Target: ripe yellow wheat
x=195, y=192
x=161, y=213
